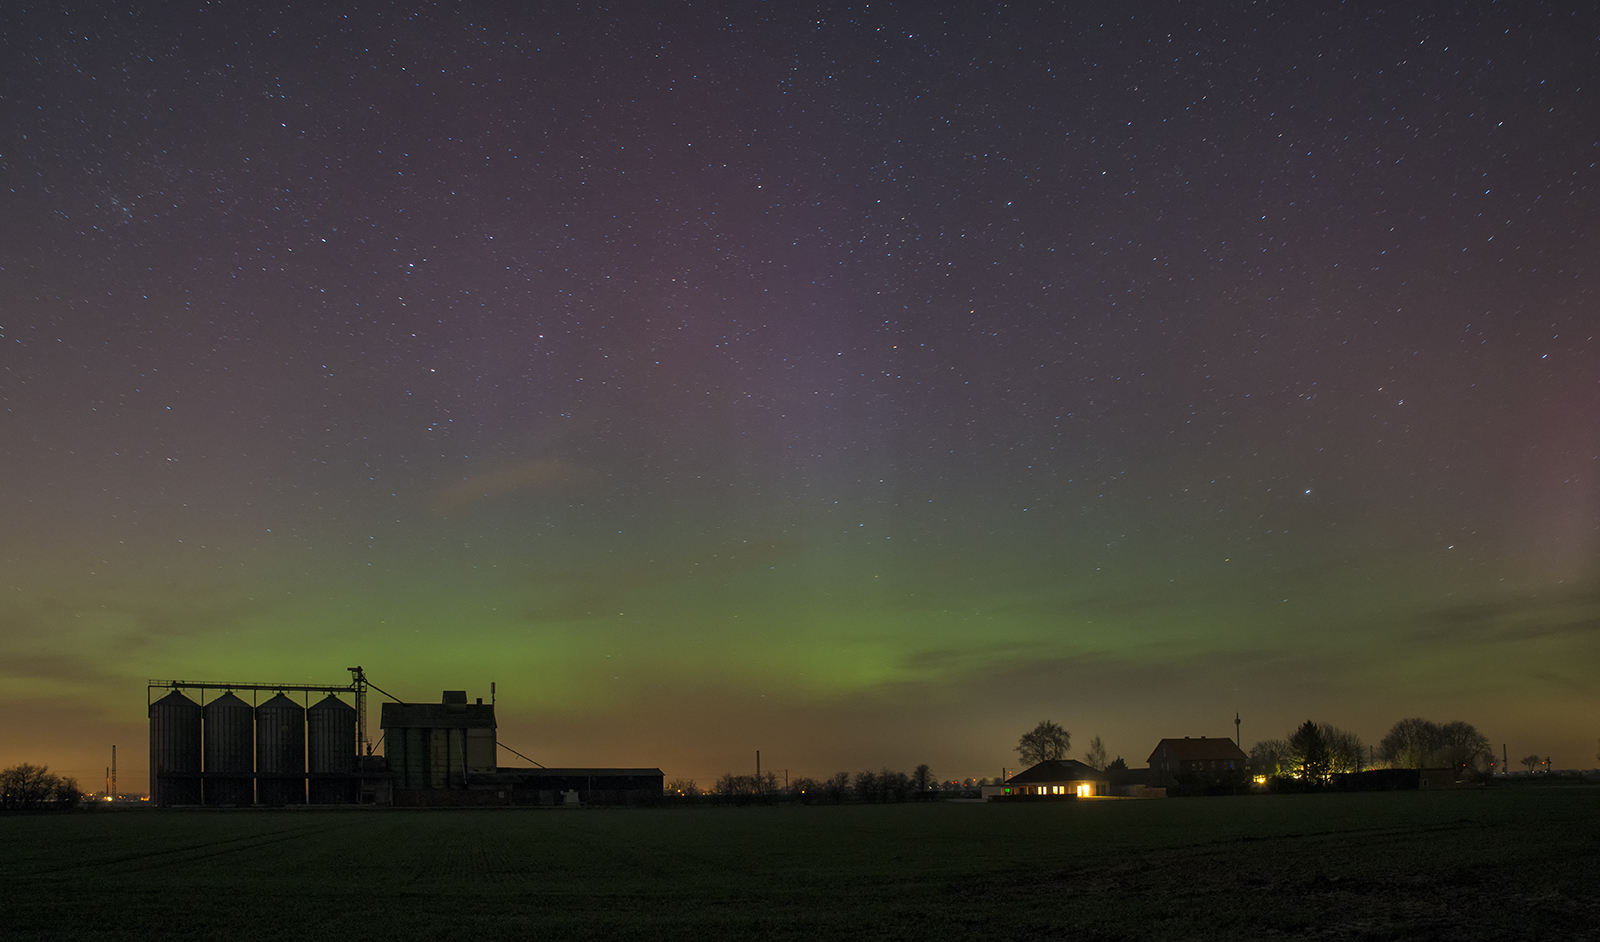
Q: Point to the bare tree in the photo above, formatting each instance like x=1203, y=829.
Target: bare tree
x=923, y=781
x=1095, y=756
x=1461, y=746
x=1346, y=753
x=1410, y=743
x=1530, y=761
x=866, y=785
x=738, y=787
x=837, y=787
x=893, y=786
x=683, y=788
x=35, y=786
x=1043, y=743
x=1270, y=757
x=1414, y=743
x=807, y=790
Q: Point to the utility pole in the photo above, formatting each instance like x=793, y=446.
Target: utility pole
x=113, y=789
x=1236, y=740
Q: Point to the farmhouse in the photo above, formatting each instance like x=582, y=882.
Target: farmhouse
x=1059, y=778
x=1201, y=758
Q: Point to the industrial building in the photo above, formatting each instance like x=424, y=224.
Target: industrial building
x=228, y=752
x=445, y=753
x=434, y=746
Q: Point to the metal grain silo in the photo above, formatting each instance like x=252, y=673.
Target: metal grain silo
x=281, y=752
x=331, y=750
x=175, y=751
x=230, y=748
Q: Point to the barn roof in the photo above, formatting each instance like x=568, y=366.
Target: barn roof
x=1058, y=770
x=1201, y=749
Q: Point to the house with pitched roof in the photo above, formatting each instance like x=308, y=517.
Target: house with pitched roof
x=1054, y=778
x=1201, y=759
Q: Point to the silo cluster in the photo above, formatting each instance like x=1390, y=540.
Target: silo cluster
x=230, y=753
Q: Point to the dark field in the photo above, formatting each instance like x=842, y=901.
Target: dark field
x=1519, y=863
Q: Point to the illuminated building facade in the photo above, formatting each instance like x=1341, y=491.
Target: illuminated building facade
x=1057, y=778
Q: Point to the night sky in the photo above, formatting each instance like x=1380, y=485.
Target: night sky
x=859, y=384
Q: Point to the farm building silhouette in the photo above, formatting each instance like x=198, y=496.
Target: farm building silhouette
x=224, y=751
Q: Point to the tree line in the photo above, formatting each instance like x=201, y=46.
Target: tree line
x=883, y=785
x=1311, y=755
x=34, y=788
x=1315, y=752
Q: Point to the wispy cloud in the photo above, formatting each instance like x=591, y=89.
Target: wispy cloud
x=1544, y=614
x=524, y=476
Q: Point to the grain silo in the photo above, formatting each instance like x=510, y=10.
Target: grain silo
x=331, y=751
x=280, y=752
x=175, y=751
x=229, y=740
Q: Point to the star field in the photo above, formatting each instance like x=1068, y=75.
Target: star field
x=860, y=383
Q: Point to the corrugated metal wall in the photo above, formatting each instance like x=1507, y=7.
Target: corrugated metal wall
x=230, y=747
x=280, y=752
x=447, y=758
x=175, y=751
x=331, y=748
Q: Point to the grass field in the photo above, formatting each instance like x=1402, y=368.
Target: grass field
x=1518, y=863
